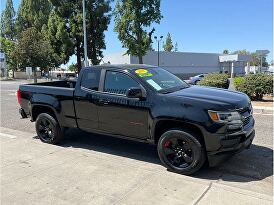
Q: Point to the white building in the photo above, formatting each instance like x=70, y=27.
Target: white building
x=187, y=64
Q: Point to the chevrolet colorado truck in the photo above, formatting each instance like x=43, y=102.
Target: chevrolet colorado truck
x=191, y=125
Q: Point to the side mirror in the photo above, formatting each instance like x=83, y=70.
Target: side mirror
x=135, y=93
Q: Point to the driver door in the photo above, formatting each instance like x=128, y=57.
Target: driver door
x=118, y=114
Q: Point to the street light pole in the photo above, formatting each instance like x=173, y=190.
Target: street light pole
x=158, y=52
x=261, y=63
x=85, y=34
x=158, y=41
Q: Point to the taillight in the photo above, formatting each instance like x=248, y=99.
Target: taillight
x=19, y=97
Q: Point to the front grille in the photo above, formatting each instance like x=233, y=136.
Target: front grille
x=246, y=120
x=246, y=114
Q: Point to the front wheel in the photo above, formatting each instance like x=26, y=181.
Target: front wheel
x=48, y=129
x=180, y=151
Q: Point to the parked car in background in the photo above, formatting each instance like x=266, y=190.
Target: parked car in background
x=194, y=80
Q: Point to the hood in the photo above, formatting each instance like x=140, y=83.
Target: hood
x=224, y=99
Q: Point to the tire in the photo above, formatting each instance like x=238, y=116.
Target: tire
x=48, y=129
x=186, y=156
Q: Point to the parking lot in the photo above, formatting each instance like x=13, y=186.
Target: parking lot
x=94, y=169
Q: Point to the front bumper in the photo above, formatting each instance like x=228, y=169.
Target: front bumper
x=222, y=146
x=216, y=157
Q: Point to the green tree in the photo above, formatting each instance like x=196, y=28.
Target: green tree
x=98, y=19
x=225, y=51
x=73, y=68
x=256, y=60
x=32, y=13
x=65, y=29
x=32, y=50
x=59, y=37
x=168, y=46
x=7, y=21
x=241, y=52
x=7, y=46
x=132, y=17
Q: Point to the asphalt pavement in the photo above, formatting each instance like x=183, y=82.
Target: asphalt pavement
x=94, y=169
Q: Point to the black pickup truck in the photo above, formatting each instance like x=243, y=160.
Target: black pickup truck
x=190, y=125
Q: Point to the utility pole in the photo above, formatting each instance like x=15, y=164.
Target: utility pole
x=85, y=34
x=261, y=67
x=158, y=41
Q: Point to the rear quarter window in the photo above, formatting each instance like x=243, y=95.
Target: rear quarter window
x=91, y=79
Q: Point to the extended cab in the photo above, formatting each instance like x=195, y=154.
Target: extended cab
x=189, y=124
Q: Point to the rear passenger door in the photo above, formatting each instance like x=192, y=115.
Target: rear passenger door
x=86, y=100
x=117, y=113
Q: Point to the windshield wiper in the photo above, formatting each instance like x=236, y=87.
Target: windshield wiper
x=166, y=92
x=174, y=89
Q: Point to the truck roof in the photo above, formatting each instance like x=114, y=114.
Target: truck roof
x=121, y=66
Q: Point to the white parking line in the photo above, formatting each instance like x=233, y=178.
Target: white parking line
x=7, y=135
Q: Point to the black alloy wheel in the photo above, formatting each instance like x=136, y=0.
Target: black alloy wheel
x=178, y=152
x=181, y=152
x=48, y=129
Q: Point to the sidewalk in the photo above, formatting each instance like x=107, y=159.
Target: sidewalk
x=264, y=106
x=38, y=173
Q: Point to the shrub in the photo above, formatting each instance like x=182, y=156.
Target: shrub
x=215, y=80
x=255, y=85
x=238, y=81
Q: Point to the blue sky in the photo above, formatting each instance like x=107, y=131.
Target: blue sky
x=209, y=26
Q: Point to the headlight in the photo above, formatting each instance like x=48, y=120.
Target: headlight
x=218, y=116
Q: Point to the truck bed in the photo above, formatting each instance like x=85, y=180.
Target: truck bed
x=58, y=94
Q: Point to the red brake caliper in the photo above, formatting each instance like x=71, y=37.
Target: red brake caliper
x=167, y=144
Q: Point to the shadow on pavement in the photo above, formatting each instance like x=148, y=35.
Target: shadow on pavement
x=253, y=164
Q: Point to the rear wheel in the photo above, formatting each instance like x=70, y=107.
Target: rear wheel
x=181, y=152
x=48, y=129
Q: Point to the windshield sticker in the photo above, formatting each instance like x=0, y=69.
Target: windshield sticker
x=143, y=73
x=154, y=84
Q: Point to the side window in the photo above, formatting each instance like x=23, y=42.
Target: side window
x=119, y=83
x=91, y=79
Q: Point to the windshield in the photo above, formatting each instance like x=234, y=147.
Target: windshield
x=160, y=79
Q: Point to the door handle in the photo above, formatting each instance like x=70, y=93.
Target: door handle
x=103, y=102
x=77, y=98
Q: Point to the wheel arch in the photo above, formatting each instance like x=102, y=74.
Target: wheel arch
x=38, y=109
x=164, y=125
